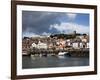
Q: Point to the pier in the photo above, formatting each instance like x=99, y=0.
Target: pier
x=84, y=52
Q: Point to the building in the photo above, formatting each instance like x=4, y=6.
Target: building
x=75, y=45
x=43, y=42
x=34, y=45
x=40, y=45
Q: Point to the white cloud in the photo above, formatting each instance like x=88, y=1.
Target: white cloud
x=71, y=16
x=45, y=33
x=70, y=27
x=30, y=35
x=35, y=35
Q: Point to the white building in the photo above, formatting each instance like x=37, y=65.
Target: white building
x=69, y=42
x=87, y=45
x=81, y=45
x=75, y=45
x=40, y=45
x=34, y=45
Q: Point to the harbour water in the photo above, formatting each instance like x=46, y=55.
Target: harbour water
x=53, y=61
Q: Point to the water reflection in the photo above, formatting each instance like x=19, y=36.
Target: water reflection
x=53, y=61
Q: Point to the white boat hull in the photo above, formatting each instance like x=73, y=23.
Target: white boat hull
x=61, y=53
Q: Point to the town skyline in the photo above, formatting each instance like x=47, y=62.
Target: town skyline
x=48, y=35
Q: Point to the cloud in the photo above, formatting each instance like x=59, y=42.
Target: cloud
x=45, y=33
x=28, y=34
x=38, y=22
x=70, y=27
x=46, y=23
x=71, y=16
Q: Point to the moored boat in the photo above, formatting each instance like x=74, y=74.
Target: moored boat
x=62, y=53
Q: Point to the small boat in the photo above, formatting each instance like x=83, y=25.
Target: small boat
x=24, y=54
x=62, y=53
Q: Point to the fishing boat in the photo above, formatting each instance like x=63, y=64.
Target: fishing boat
x=62, y=53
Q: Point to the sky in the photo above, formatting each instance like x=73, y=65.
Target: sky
x=46, y=23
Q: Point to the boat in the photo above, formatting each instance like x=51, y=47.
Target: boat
x=62, y=53
x=24, y=54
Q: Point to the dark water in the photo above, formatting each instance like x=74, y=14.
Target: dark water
x=52, y=61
